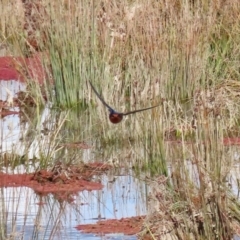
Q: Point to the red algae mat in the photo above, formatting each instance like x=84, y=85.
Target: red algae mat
x=231, y=141
x=16, y=68
x=128, y=226
x=60, y=179
x=20, y=69
x=6, y=112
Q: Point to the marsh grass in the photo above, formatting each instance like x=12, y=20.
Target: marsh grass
x=68, y=43
x=12, y=34
x=39, y=141
x=181, y=55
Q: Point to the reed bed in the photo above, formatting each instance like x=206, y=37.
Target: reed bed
x=182, y=55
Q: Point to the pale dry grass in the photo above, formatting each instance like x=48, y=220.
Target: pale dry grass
x=183, y=55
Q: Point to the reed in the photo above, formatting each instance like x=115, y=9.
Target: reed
x=183, y=56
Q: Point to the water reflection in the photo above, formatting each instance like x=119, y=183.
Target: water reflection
x=27, y=215
x=9, y=126
x=30, y=216
x=43, y=135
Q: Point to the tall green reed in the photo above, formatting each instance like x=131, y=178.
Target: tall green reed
x=181, y=55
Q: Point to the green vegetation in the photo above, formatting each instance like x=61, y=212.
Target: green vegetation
x=183, y=55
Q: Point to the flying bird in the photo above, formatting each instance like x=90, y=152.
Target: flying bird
x=114, y=116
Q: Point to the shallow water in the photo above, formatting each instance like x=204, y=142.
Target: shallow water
x=27, y=215
x=31, y=216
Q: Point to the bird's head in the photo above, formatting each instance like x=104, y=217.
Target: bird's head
x=115, y=117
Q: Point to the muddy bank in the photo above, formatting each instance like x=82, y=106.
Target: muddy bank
x=63, y=180
x=128, y=226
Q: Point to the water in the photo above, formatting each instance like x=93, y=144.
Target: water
x=44, y=217
x=23, y=214
x=27, y=215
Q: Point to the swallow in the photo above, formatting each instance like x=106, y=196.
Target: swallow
x=114, y=116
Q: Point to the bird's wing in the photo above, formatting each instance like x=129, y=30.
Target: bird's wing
x=101, y=99
x=139, y=110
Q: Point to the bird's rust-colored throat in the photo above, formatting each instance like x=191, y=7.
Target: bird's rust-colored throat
x=115, y=118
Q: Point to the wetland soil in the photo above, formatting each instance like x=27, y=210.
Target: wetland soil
x=63, y=181
x=128, y=226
